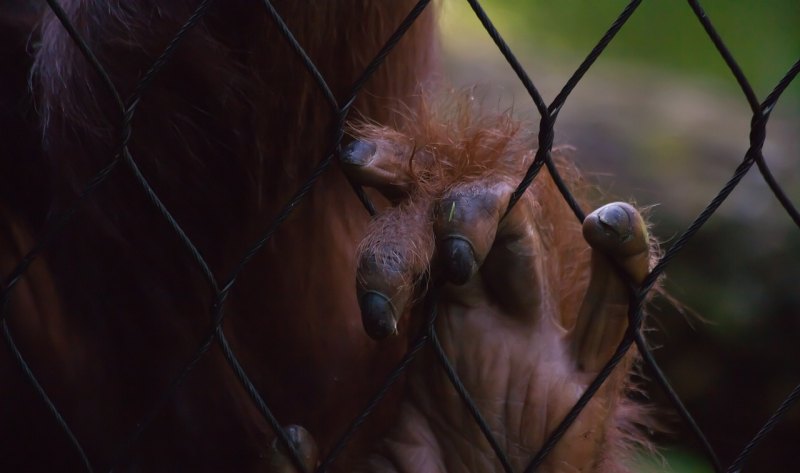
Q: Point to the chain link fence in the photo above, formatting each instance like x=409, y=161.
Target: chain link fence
x=549, y=112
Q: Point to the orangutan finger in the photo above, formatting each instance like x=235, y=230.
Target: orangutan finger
x=396, y=252
x=473, y=232
x=465, y=223
x=618, y=237
x=389, y=166
x=278, y=458
x=619, y=231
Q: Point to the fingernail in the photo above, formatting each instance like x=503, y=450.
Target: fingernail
x=358, y=153
x=615, y=220
x=377, y=315
x=304, y=444
x=458, y=260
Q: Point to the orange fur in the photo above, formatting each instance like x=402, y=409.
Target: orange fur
x=225, y=134
x=452, y=139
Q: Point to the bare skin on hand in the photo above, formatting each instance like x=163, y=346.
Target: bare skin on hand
x=534, y=305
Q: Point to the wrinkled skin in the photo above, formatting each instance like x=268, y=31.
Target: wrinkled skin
x=524, y=355
x=108, y=314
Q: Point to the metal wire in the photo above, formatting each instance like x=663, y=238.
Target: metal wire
x=340, y=110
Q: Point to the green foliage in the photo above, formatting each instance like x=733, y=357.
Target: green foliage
x=762, y=35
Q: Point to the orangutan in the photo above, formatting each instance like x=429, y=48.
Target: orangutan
x=115, y=303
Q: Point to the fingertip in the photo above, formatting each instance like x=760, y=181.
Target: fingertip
x=458, y=259
x=616, y=220
x=358, y=153
x=617, y=229
x=377, y=315
x=303, y=443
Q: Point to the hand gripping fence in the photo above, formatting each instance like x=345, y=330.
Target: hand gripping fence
x=548, y=116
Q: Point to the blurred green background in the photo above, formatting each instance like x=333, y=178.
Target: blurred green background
x=660, y=121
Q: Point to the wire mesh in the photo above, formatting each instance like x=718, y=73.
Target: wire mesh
x=761, y=112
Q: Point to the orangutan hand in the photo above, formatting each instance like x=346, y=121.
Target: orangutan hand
x=528, y=315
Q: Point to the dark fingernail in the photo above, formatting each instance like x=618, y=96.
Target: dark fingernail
x=358, y=152
x=615, y=220
x=459, y=260
x=377, y=315
x=298, y=435
x=304, y=445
